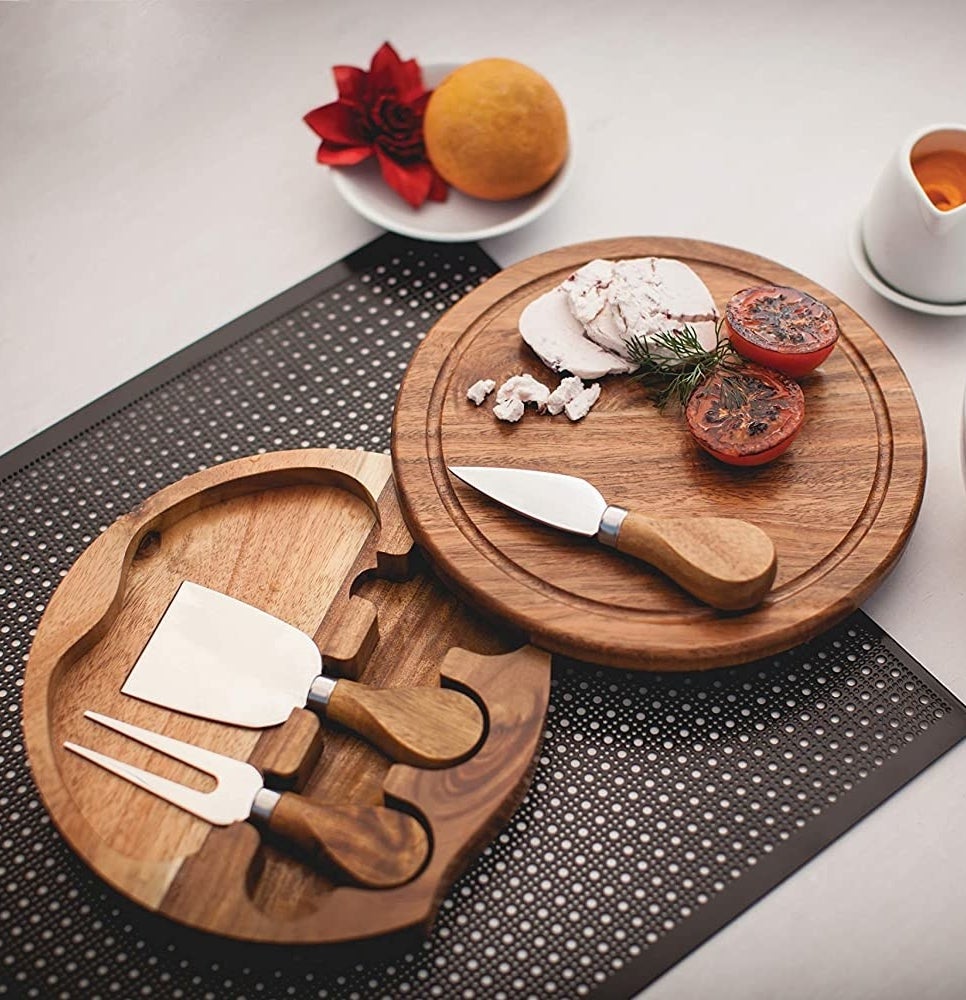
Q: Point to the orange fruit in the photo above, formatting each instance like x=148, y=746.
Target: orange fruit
x=495, y=129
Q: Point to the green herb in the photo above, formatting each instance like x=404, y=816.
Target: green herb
x=674, y=363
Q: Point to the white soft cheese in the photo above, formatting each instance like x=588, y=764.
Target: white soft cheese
x=614, y=301
x=557, y=338
x=525, y=388
x=578, y=407
x=515, y=393
x=478, y=391
x=569, y=388
x=510, y=409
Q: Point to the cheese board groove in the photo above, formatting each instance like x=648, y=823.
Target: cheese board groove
x=839, y=505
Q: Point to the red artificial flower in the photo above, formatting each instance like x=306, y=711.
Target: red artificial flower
x=380, y=113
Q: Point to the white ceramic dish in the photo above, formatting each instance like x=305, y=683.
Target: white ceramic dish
x=459, y=219
x=865, y=269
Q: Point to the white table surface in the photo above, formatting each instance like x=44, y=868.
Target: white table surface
x=156, y=181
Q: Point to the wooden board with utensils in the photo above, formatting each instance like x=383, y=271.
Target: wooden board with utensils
x=839, y=505
x=314, y=537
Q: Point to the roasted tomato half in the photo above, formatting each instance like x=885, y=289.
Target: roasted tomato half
x=781, y=328
x=746, y=415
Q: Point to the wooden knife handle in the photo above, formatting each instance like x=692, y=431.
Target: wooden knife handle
x=423, y=726
x=725, y=562
x=375, y=846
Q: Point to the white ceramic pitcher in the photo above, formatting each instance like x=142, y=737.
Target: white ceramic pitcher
x=912, y=245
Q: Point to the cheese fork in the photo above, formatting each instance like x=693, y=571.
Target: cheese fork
x=374, y=846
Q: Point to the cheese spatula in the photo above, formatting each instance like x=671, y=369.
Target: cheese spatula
x=218, y=658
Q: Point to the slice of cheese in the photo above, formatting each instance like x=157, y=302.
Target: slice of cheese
x=557, y=338
x=614, y=301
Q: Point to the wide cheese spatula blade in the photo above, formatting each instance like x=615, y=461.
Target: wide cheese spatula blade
x=219, y=658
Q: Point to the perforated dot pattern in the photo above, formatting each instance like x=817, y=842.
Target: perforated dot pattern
x=660, y=806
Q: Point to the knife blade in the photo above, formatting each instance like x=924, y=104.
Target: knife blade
x=375, y=846
x=219, y=658
x=725, y=562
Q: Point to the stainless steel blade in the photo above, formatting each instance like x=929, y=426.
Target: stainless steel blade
x=232, y=797
x=219, y=658
x=564, y=502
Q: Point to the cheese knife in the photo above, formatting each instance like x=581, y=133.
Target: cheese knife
x=375, y=846
x=725, y=562
x=219, y=658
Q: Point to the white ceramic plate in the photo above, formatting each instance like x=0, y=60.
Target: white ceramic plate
x=862, y=265
x=460, y=218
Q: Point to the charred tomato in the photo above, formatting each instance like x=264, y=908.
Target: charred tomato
x=745, y=415
x=781, y=328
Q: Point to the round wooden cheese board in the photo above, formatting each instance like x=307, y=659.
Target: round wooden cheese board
x=839, y=505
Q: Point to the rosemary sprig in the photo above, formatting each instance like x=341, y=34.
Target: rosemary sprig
x=674, y=363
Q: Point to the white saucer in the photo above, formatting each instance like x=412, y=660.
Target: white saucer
x=459, y=219
x=862, y=265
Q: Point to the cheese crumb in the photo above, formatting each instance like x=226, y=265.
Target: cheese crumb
x=580, y=405
x=571, y=396
x=478, y=391
x=509, y=409
x=525, y=388
x=569, y=388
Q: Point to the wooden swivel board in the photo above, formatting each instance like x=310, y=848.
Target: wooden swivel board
x=839, y=504
x=314, y=537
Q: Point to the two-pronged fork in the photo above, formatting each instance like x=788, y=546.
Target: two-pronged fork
x=375, y=846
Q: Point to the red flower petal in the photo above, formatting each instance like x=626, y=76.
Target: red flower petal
x=381, y=112
x=342, y=156
x=419, y=104
x=351, y=82
x=388, y=72
x=412, y=180
x=337, y=122
x=438, y=189
x=409, y=81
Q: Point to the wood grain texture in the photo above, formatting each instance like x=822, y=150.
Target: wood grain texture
x=839, y=505
x=350, y=645
x=727, y=563
x=425, y=727
x=379, y=848
x=287, y=754
x=515, y=687
x=309, y=536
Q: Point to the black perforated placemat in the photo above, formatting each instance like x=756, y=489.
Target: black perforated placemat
x=660, y=807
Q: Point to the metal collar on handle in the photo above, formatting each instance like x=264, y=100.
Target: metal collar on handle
x=610, y=525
